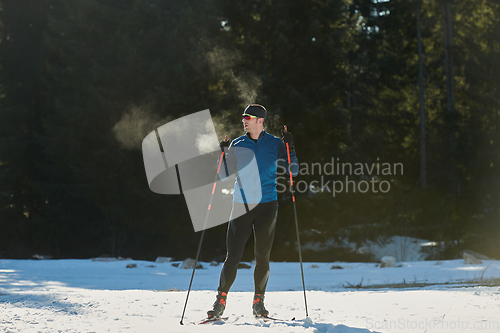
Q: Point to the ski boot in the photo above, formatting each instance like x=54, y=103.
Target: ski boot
x=219, y=306
x=258, y=306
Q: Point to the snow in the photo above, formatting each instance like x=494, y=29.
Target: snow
x=96, y=296
x=403, y=248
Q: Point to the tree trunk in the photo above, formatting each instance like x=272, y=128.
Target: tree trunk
x=450, y=95
x=423, y=170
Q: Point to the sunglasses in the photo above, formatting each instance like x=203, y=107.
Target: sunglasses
x=247, y=116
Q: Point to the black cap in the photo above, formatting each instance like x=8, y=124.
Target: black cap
x=256, y=110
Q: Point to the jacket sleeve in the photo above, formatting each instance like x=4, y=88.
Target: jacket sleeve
x=283, y=160
x=228, y=165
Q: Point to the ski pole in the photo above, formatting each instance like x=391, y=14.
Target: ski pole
x=296, y=222
x=203, y=233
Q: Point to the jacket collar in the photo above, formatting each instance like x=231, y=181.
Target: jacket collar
x=261, y=135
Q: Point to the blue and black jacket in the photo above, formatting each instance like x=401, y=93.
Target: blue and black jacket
x=256, y=166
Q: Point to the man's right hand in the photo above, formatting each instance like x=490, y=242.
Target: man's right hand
x=225, y=144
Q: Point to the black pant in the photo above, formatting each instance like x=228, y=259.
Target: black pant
x=262, y=221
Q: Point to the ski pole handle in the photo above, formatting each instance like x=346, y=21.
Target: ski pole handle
x=224, y=143
x=225, y=139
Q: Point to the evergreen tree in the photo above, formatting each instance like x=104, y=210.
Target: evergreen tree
x=21, y=52
x=112, y=66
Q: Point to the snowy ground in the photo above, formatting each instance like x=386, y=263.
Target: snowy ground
x=93, y=296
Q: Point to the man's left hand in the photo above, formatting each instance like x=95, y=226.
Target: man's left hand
x=287, y=138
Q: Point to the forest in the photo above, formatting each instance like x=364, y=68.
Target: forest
x=410, y=84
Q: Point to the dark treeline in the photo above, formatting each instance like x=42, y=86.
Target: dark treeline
x=82, y=82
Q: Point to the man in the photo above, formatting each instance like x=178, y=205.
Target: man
x=254, y=157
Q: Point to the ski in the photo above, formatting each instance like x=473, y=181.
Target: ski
x=212, y=320
x=267, y=318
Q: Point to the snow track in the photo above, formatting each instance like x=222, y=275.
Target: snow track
x=77, y=296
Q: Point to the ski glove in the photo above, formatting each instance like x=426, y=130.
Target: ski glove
x=288, y=138
x=225, y=144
